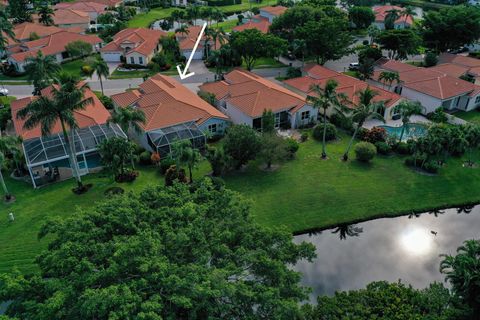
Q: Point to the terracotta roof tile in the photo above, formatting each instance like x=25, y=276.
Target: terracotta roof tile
x=98, y=8
x=275, y=11
x=381, y=13
x=262, y=26
x=318, y=75
x=187, y=41
x=143, y=40
x=95, y=113
x=126, y=98
x=109, y=3
x=167, y=102
x=451, y=69
x=69, y=16
x=253, y=94
x=24, y=30
x=458, y=59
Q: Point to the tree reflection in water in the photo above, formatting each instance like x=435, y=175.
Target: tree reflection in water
x=465, y=209
x=347, y=230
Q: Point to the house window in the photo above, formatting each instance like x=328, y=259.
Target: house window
x=212, y=128
x=132, y=60
x=305, y=115
x=477, y=99
x=140, y=60
x=277, y=120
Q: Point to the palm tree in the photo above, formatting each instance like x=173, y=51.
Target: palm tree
x=408, y=11
x=218, y=34
x=365, y=109
x=8, y=144
x=373, y=32
x=388, y=77
x=193, y=12
x=463, y=274
x=390, y=18
x=67, y=97
x=184, y=154
x=6, y=30
x=102, y=70
x=45, y=13
x=325, y=98
x=347, y=230
x=217, y=15
x=129, y=118
x=183, y=30
x=41, y=70
x=406, y=109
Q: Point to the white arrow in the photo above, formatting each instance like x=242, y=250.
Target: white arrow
x=183, y=74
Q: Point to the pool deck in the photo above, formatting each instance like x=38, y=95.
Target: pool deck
x=396, y=123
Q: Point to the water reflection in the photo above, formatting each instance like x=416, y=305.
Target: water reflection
x=388, y=249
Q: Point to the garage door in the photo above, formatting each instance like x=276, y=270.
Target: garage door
x=111, y=56
x=197, y=56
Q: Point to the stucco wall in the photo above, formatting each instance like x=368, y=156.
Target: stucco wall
x=221, y=125
x=237, y=116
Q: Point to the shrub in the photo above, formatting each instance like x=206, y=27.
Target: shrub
x=144, y=158
x=127, y=176
x=431, y=166
x=430, y=60
x=139, y=149
x=304, y=137
x=113, y=191
x=292, y=147
x=438, y=116
x=330, y=135
x=375, y=135
x=361, y=133
x=293, y=72
x=341, y=121
x=172, y=174
x=107, y=102
x=219, y=161
x=165, y=164
x=402, y=148
x=383, y=148
x=365, y=151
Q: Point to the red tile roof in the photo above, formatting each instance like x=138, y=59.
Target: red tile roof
x=167, y=102
x=275, y=11
x=98, y=8
x=253, y=94
x=451, y=69
x=459, y=60
x=262, y=26
x=53, y=44
x=429, y=81
x=109, y=3
x=143, y=40
x=24, y=30
x=381, y=13
x=94, y=113
x=187, y=41
x=69, y=16
x=318, y=75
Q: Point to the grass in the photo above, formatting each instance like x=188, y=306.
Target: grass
x=6, y=100
x=352, y=73
x=12, y=79
x=14, y=83
x=264, y=63
x=302, y=194
x=227, y=25
x=470, y=116
x=145, y=19
x=139, y=73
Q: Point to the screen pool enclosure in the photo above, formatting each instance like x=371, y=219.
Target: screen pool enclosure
x=47, y=157
x=161, y=140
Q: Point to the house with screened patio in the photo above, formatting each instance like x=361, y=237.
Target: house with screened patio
x=172, y=113
x=46, y=156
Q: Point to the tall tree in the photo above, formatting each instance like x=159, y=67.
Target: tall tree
x=67, y=98
x=116, y=153
x=18, y=10
x=361, y=17
x=366, y=68
x=451, y=27
x=472, y=138
x=186, y=155
x=8, y=145
x=390, y=18
x=6, y=30
x=251, y=44
x=268, y=121
x=365, y=109
x=324, y=99
x=406, y=109
x=193, y=13
x=46, y=12
x=164, y=253
x=241, y=144
x=463, y=273
x=101, y=68
x=388, y=77
x=41, y=70
x=400, y=43
x=408, y=11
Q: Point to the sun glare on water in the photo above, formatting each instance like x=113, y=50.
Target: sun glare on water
x=416, y=241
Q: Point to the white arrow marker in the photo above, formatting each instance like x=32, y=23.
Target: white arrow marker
x=183, y=74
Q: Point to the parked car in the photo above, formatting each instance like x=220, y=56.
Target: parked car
x=3, y=92
x=458, y=50
x=353, y=66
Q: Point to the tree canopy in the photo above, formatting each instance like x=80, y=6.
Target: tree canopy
x=164, y=253
x=399, y=42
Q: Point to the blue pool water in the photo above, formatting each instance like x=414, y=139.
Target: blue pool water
x=413, y=130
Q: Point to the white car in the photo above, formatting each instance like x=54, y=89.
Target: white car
x=353, y=66
x=3, y=92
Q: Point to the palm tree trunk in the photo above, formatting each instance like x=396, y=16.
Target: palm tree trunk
x=190, y=173
x=4, y=186
x=403, y=131
x=324, y=148
x=101, y=83
x=72, y=155
x=345, y=155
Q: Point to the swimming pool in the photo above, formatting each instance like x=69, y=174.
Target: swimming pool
x=413, y=130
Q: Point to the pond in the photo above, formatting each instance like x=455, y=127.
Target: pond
x=406, y=248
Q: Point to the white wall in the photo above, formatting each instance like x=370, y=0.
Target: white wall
x=136, y=56
x=237, y=116
x=430, y=103
x=296, y=119
x=267, y=15
x=222, y=124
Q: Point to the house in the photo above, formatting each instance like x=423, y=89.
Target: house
x=69, y=18
x=381, y=12
x=263, y=20
x=349, y=86
x=458, y=65
x=51, y=45
x=179, y=3
x=432, y=88
x=46, y=156
x=244, y=96
x=272, y=12
x=28, y=31
x=108, y=3
x=93, y=9
x=172, y=113
x=133, y=45
x=186, y=42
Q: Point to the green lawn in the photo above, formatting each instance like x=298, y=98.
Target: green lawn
x=139, y=73
x=6, y=100
x=12, y=79
x=302, y=194
x=471, y=116
x=263, y=63
x=145, y=19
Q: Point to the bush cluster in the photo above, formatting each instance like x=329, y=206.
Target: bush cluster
x=331, y=133
x=365, y=151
